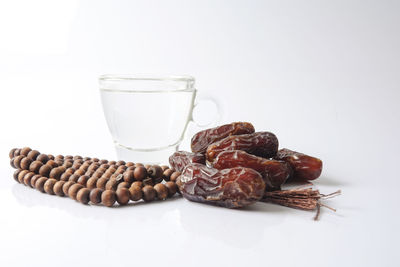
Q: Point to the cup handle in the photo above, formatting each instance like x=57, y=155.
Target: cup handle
x=206, y=98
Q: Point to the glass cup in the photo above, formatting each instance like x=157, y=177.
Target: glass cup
x=148, y=116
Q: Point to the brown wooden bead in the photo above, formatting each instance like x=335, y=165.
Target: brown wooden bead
x=15, y=175
x=17, y=160
x=135, y=192
x=45, y=170
x=167, y=174
x=104, y=166
x=123, y=185
x=17, y=152
x=68, y=157
x=77, y=166
x=77, y=157
x=35, y=166
x=112, y=162
x=89, y=173
x=83, y=196
x=11, y=153
x=65, y=176
x=58, y=162
x=112, y=184
x=120, y=163
x=140, y=173
x=122, y=195
x=130, y=164
x=149, y=193
x=66, y=187
x=101, y=183
x=25, y=162
x=106, y=175
x=97, y=175
x=57, y=172
x=108, y=198
x=130, y=168
x=67, y=164
x=103, y=161
x=122, y=167
x=138, y=183
x=74, y=178
x=33, y=154
x=128, y=177
x=39, y=185
x=95, y=195
x=172, y=188
x=155, y=171
x=162, y=191
x=83, y=179
x=50, y=156
x=148, y=181
x=43, y=158
x=85, y=165
x=12, y=163
x=174, y=176
x=70, y=170
x=34, y=179
x=21, y=176
x=79, y=172
x=58, y=188
x=73, y=190
x=91, y=183
x=93, y=167
x=119, y=171
x=28, y=177
x=164, y=167
x=52, y=163
x=25, y=151
x=48, y=186
x=147, y=166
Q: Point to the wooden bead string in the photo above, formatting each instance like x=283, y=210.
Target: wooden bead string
x=90, y=180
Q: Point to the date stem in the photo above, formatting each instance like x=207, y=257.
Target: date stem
x=300, y=198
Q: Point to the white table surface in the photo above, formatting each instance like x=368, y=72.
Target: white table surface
x=324, y=77
x=42, y=230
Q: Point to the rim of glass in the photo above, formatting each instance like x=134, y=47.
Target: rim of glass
x=130, y=77
x=189, y=80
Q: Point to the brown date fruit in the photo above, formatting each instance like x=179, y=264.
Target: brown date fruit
x=180, y=159
x=230, y=188
x=262, y=144
x=203, y=139
x=304, y=167
x=274, y=172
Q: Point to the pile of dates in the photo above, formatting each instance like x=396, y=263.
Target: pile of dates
x=233, y=166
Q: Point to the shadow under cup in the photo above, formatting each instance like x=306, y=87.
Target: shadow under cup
x=147, y=116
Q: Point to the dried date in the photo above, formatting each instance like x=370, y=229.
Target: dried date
x=304, y=167
x=180, y=159
x=274, y=172
x=262, y=144
x=203, y=139
x=230, y=188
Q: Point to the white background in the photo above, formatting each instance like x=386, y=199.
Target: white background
x=324, y=76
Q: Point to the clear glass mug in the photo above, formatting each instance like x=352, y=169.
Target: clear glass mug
x=148, y=116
